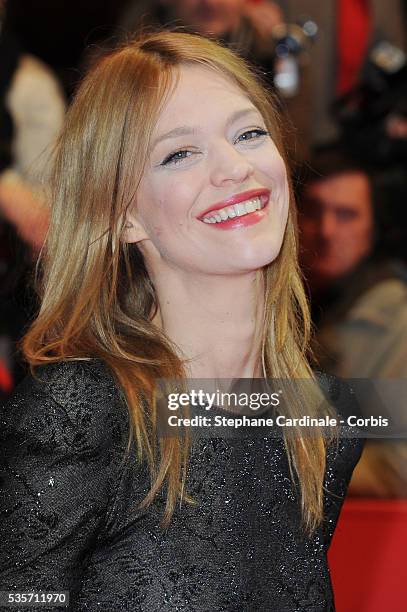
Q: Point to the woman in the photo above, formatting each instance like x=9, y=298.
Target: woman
x=171, y=255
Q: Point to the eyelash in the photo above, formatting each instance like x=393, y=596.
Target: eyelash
x=172, y=159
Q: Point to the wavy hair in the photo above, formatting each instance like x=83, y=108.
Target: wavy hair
x=97, y=300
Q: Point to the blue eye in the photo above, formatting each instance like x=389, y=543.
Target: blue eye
x=176, y=157
x=252, y=134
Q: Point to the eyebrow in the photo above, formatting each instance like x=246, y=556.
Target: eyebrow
x=186, y=130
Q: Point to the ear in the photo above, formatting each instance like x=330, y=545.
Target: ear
x=133, y=229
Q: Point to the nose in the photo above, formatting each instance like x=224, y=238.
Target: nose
x=327, y=226
x=230, y=166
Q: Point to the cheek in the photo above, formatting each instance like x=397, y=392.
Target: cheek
x=355, y=234
x=175, y=201
x=273, y=167
x=164, y=212
x=282, y=191
x=368, y=231
x=179, y=193
x=152, y=215
x=282, y=180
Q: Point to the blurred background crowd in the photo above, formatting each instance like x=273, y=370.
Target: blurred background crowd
x=339, y=71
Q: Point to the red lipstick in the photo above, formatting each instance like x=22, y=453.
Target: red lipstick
x=264, y=194
x=243, y=220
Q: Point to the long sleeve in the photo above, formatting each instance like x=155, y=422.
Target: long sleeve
x=341, y=461
x=69, y=518
x=61, y=444
x=342, y=456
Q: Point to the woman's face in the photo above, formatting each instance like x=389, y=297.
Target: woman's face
x=214, y=195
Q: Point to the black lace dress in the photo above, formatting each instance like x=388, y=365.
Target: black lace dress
x=68, y=517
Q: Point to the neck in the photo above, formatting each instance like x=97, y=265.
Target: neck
x=215, y=321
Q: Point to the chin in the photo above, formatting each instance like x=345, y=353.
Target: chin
x=257, y=260
x=328, y=276
x=332, y=272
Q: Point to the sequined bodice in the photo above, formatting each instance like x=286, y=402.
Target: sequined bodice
x=68, y=517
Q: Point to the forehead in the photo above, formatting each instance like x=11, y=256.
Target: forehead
x=200, y=94
x=349, y=188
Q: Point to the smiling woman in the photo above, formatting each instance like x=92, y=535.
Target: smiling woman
x=221, y=171
x=169, y=140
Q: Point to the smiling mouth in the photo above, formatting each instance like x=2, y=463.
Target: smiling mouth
x=235, y=210
x=237, y=206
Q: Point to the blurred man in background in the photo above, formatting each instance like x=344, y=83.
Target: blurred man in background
x=351, y=277
x=359, y=297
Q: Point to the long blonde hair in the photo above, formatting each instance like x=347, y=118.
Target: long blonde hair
x=97, y=298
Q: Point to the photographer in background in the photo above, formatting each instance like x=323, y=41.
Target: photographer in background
x=258, y=31
x=338, y=61
x=245, y=25
x=312, y=53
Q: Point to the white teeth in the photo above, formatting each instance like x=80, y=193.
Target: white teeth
x=237, y=210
